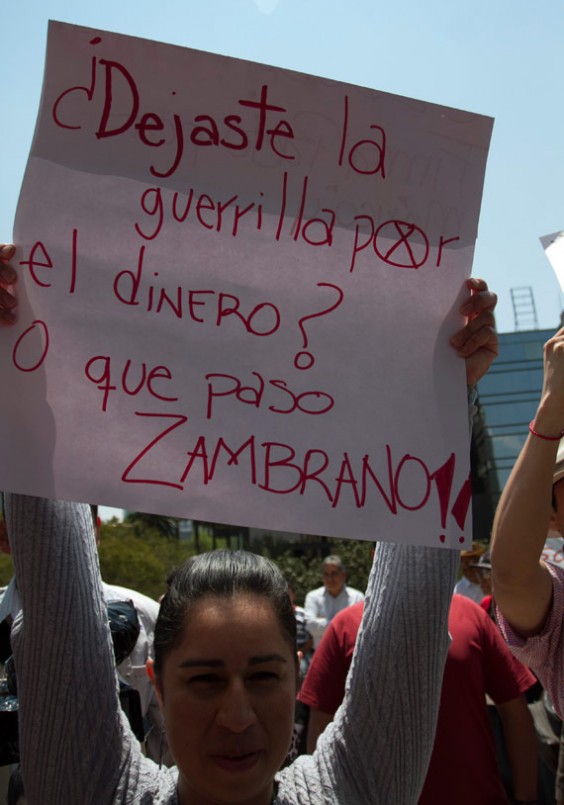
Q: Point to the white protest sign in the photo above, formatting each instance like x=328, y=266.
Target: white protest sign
x=553, y=246
x=237, y=289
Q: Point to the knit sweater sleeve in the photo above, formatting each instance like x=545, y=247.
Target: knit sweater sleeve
x=75, y=743
x=378, y=747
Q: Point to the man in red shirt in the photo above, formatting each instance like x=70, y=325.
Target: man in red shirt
x=463, y=766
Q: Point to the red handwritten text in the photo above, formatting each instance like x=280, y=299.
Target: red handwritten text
x=257, y=124
x=99, y=371
x=262, y=319
x=278, y=468
x=398, y=243
x=308, y=402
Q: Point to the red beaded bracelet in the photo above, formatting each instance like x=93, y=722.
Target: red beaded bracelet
x=542, y=436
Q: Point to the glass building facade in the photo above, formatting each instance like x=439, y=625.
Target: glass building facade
x=508, y=398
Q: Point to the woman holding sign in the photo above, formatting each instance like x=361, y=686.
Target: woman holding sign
x=225, y=662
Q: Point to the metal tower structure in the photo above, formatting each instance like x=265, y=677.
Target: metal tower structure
x=524, y=310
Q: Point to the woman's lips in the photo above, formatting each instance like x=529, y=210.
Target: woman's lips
x=236, y=762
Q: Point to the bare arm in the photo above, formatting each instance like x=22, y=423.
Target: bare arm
x=520, y=744
x=521, y=583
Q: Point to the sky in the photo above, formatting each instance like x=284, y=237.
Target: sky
x=501, y=59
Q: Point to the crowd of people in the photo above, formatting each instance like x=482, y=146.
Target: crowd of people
x=413, y=694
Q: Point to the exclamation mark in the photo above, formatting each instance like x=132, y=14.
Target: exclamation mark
x=443, y=481
x=461, y=504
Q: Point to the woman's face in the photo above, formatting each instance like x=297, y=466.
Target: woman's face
x=227, y=692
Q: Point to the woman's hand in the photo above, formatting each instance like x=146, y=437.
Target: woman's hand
x=477, y=341
x=549, y=418
x=8, y=276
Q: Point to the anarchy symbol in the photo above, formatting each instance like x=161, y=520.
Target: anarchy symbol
x=401, y=244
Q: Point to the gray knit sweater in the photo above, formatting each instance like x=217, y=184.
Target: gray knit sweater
x=76, y=746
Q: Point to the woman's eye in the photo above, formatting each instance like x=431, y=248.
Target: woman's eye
x=204, y=679
x=264, y=676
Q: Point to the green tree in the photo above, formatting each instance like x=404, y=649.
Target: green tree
x=141, y=560
x=129, y=562
x=141, y=522
x=6, y=569
x=139, y=553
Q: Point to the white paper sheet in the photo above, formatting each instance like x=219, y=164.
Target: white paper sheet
x=238, y=285
x=553, y=246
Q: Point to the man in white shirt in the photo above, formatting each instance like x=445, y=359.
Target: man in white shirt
x=322, y=604
x=469, y=583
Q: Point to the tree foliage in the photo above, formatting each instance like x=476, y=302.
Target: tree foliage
x=139, y=559
x=6, y=569
x=141, y=552
x=141, y=522
x=137, y=554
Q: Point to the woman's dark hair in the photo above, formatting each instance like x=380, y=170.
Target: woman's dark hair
x=220, y=574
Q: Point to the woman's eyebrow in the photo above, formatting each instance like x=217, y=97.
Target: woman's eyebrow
x=216, y=663
x=203, y=662
x=267, y=658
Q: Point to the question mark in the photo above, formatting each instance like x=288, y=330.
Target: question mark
x=305, y=360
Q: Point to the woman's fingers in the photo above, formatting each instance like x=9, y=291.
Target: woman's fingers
x=8, y=277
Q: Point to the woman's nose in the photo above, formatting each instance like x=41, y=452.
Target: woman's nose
x=236, y=712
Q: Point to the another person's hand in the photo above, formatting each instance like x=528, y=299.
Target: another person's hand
x=477, y=341
x=550, y=414
x=8, y=276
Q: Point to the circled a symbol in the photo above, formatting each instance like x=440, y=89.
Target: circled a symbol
x=401, y=244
